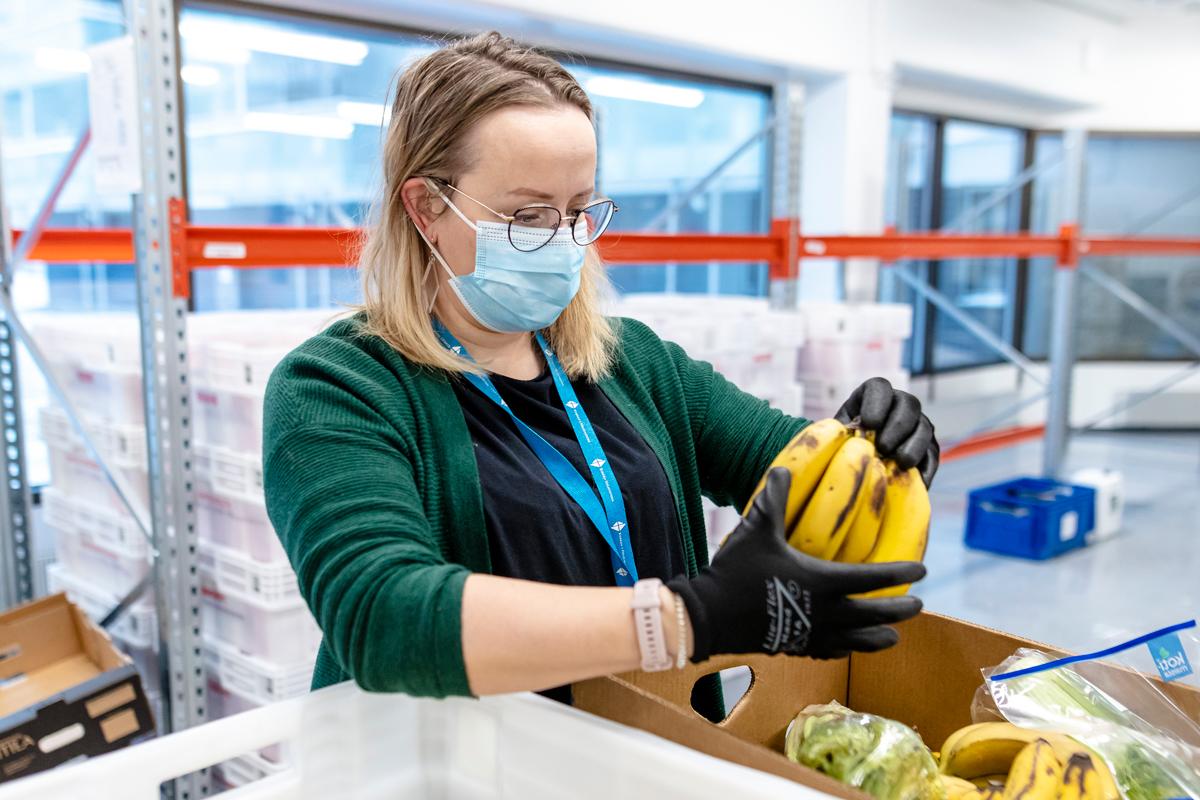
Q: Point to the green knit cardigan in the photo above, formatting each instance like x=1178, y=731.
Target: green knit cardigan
x=371, y=484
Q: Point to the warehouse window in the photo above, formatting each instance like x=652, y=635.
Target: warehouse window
x=44, y=108
x=944, y=173
x=1135, y=185
x=283, y=128
x=682, y=156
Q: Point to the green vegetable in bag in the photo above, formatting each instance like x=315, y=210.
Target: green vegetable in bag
x=885, y=759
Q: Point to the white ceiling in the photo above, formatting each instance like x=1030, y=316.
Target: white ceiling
x=1122, y=11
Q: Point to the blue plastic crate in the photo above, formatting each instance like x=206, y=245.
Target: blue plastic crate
x=1030, y=517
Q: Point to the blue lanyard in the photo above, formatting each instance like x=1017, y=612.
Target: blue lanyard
x=608, y=514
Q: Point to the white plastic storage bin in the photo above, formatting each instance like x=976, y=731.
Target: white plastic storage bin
x=77, y=475
x=97, y=357
x=245, y=770
x=237, y=524
x=255, y=607
x=223, y=702
x=852, y=359
x=229, y=418
x=719, y=522
x=349, y=743
x=823, y=396
x=255, y=679
x=1110, y=499
x=239, y=350
x=229, y=473
x=857, y=321
x=121, y=445
x=111, y=570
x=114, y=530
x=136, y=628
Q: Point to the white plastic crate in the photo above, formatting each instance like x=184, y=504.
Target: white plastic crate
x=229, y=473
x=239, y=350
x=223, y=702
x=840, y=359
x=136, y=628
x=1110, y=499
x=245, y=769
x=719, y=522
x=102, y=339
x=255, y=607
x=97, y=357
x=74, y=473
x=120, y=445
x=113, y=393
x=111, y=529
x=112, y=570
x=237, y=524
x=857, y=321
x=350, y=743
x=787, y=397
x=255, y=679
x=235, y=365
x=232, y=571
x=823, y=395
x=229, y=418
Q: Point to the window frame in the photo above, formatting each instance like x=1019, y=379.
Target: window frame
x=351, y=24
x=935, y=171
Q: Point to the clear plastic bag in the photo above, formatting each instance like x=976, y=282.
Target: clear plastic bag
x=884, y=758
x=1109, y=701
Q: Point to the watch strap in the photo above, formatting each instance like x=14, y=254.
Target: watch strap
x=647, y=621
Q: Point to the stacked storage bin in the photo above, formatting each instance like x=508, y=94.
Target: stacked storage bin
x=260, y=640
x=101, y=553
x=754, y=346
x=845, y=344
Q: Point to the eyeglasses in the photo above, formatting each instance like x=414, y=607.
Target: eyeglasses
x=536, y=224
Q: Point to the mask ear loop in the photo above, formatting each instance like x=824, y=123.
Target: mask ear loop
x=429, y=266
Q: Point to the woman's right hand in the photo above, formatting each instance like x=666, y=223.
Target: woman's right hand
x=761, y=595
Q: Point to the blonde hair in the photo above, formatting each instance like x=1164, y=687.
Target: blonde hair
x=438, y=101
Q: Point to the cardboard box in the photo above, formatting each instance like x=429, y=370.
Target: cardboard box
x=927, y=681
x=65, y=690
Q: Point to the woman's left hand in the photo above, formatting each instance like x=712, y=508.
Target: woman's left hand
x=902, y=432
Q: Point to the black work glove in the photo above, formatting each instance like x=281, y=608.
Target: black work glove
x=902, y=432
x=760, y=595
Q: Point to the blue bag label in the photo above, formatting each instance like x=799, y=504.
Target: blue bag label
x=1169, y=656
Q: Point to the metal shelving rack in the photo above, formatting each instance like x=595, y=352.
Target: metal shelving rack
x=16, y=559
x=162, y=285
x=166, y=248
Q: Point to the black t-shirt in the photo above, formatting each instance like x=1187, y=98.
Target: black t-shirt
x=535, y=530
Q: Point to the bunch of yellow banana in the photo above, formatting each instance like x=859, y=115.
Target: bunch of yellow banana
x=1000, y=761
x=847, y=504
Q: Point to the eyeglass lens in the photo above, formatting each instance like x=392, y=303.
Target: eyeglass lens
x=534, y=226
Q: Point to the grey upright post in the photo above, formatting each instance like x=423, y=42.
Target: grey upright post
x=785, y=176
x=16, y=546
x=159, y=217
x=1062, y=333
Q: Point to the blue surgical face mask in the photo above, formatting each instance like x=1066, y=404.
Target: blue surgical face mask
x=512, y=291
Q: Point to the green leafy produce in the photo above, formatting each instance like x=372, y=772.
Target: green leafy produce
x=1147, y=763
x=885, y=759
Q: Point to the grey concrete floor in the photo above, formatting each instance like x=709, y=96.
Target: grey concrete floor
x=1145, y=577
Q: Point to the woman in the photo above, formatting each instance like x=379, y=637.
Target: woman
x=436, y=499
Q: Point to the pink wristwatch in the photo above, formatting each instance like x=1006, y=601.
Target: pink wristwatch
x=647, y=620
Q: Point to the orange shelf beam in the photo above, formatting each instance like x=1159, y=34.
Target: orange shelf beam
x=994, y=440
x=1138, y=246
x=209, y=246
x=893, y=247
x=82, y=245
